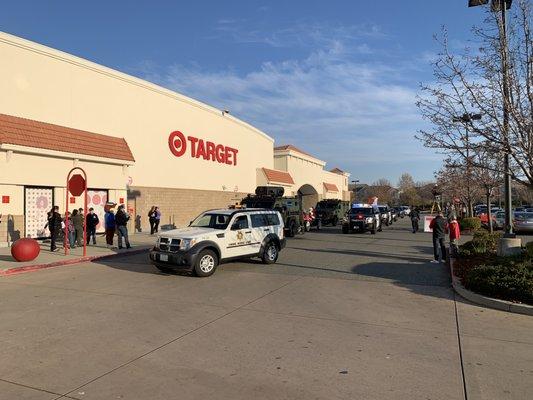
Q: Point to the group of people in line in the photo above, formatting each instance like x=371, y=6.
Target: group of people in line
x=73, y=224
x=440, y=226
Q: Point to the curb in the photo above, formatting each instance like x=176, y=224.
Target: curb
x=30, y=268
x=489, y=302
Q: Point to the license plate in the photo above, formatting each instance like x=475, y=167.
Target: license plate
x=163, y=257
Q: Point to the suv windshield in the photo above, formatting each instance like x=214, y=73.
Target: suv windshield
x=215, y=221
x=361, y=210
x=383, y=209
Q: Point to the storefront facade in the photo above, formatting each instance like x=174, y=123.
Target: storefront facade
x=184, y=156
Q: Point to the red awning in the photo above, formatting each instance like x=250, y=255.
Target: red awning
x=331, y=187
x=42, y=135
x=275, y=176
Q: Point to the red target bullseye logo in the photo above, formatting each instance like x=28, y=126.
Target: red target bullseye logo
x=177, y=143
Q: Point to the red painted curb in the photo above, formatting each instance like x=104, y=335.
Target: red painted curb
x=73, y=261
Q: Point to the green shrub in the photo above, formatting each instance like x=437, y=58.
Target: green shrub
x=471, y=248
x=486, y=239
x=508, y=278
x=470, y=224
x=483, y=242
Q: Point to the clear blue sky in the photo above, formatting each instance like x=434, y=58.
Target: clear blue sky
x=336, y=78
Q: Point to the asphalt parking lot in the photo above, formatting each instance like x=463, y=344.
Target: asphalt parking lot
x=338, y=317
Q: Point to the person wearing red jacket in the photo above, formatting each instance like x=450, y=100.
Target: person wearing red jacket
x=455, y=234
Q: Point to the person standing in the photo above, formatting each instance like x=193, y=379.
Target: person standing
x=91, y=222
x=69, y=240
x=415, y=219
x=77, y=220
x=54, y=225
x=110, y=227
x=151, y=219
x=455, y=234
x=157, y=219
x=121, y=220
x=438, y=227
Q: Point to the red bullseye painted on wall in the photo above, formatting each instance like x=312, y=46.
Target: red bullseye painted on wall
x=177, y=143
x=41, y=202
x=25, y=249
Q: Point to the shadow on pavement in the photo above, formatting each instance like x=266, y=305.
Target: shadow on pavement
x=421, y=274
x=366, y=254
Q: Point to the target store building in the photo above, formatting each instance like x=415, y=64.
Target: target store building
x=140, y=145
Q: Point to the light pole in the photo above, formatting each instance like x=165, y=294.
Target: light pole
x=502, y=6
x=466, y=119
x=355, y=182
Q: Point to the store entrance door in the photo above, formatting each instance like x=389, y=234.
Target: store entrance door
x=97, y=198
x=38, y=201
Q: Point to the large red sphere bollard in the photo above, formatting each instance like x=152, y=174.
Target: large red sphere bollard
x=25, y=249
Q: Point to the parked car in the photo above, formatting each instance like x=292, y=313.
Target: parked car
x=406, y=210
x=362, y=218
x=402, y=211
x=394, y=214
x=523, y=222
x=499, y=220
x=217, y=236
x=386, y=215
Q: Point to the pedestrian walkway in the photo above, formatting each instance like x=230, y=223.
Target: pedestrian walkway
x=46, y=258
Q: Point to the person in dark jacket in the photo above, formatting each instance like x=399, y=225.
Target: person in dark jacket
x=91, y=222
x=415, y=219
x=77, y=220
x=438, y=226
x=121, y=220
x=54, y=225
x=110, y=227
x=151, y=219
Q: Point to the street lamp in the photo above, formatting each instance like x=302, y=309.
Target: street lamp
x=466, y=119
x=502, y=6
x=355, y=182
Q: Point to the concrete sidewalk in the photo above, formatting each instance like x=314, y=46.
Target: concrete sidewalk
x=139, y=242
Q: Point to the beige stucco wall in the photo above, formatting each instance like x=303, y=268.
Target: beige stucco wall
x=44, y=84
x=307, y=170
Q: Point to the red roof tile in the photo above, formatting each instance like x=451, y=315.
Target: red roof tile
x=273, y=175
x=331, y=187
x=42, y=135
x=293, y=148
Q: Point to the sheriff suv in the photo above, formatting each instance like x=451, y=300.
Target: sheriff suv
x=217, y=236
x=362, y=218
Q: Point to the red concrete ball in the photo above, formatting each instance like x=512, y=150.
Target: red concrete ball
x=25, y=249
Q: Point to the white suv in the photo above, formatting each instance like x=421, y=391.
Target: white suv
x=216, y=236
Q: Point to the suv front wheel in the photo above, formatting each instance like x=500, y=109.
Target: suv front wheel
x=206, y=263
x=270, y=253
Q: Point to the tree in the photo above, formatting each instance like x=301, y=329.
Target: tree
x=382, y=189
x=454, y=184
x=406, y=181
x=407, y=190
x=489, y=180
x=472, y=81
x=424, y=191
